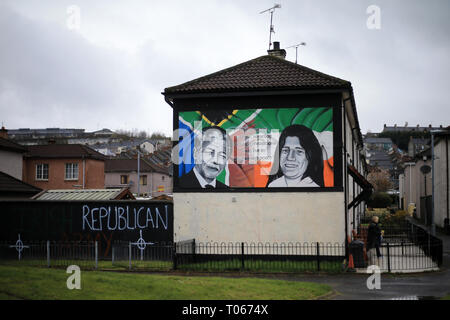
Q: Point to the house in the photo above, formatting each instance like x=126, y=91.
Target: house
x=154, y=180
x=406, y=128
x=11, y=155
x=375, y=143
x=245, y=179
x=12, y=188
x=27, y=136
x=417, y=182
x=146, y=146
x=64, y=166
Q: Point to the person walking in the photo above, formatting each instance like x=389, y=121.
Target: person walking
x=374, y=236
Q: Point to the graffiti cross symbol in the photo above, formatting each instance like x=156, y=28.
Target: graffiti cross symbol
x=19, y=247
x=141, y=244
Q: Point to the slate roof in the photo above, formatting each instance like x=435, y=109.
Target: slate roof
x=85, y=194
x=63, y=151
x=263, y=73
x=10, y=184
x=6, y=144
x=408, y=129
x=128, y=165
x=377, y=140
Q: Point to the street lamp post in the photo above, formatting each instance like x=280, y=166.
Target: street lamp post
x=138, y=171
x=410, y=178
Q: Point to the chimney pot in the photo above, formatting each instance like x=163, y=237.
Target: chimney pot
x=4, y=133
x=276, y=51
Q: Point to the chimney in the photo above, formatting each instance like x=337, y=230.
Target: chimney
x=3, y=133
x=276, y=51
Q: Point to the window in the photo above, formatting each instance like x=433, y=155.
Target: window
x=71, y=171
x=143, y=180
x=124, y=179
x=162, y=178
x=42, y=171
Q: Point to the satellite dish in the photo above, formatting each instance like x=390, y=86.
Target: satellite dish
x=425, y=169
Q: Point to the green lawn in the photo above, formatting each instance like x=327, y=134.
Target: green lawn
x=264, y=266
x=24, y=282
x=210, y=266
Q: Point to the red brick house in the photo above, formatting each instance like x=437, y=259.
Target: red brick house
x=64, y=166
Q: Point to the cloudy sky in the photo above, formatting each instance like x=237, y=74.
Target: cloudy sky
x=108, y=68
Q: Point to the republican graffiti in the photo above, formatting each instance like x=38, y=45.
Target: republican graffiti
x=121, y=218
x=102, y=221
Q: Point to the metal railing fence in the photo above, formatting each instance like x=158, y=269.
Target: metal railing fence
x=417, y=251
x=50, y=253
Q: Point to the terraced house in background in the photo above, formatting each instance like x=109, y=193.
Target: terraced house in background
x=64, y=166
x=154, y=180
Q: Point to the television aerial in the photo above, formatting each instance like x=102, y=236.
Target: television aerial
x=271, y=10
x=296, y=48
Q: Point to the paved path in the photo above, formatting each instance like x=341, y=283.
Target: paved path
x=353, y=286
x=405, y=286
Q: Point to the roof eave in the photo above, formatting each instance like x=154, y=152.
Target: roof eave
x=253, y=92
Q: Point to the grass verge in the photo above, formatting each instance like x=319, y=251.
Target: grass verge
x=26, y=282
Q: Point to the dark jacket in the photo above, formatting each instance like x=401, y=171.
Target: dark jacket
x=190, y=181
x=373, y=236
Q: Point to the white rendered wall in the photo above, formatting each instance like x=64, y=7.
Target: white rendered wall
x=440, y=182
x=259, y=217
x=11, y=163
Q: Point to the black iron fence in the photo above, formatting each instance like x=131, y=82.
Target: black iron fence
x=50, y=253
x=395, y=232
x=405, y=247
x=421, y=237
x=404, y=257
x=142, y=255
x=259, y=257
x=416, y=250
x=186, y=255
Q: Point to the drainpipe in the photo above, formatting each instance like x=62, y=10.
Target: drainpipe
x=153, y=184
x=446, y=161
x=345, y=176
x=138, y=172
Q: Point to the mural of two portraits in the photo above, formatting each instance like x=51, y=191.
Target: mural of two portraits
x=255, y=148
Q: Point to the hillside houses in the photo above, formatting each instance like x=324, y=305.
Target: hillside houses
x=39, y=159
x=104, y=141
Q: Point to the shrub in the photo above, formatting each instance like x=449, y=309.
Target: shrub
x=379, y=200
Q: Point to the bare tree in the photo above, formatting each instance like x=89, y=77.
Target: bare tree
x=380, y=179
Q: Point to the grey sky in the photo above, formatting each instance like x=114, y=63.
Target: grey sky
x=111, y=71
